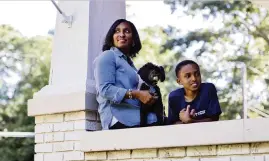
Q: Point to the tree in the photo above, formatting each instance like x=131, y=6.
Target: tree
x=232, y=32
x=25, y=61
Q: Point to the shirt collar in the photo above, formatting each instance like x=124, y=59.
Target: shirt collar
x=120, y=54
x=117, y=51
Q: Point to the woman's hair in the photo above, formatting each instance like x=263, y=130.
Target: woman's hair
x=183, y=63
x=109, y=38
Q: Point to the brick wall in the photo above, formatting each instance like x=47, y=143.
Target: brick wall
x=232, y=152
x=57, y=136
x=68, y=137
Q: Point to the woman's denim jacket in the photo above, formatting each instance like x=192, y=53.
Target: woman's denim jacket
x=113, y=77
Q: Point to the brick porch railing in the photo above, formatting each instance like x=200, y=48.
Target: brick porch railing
x=69, y=137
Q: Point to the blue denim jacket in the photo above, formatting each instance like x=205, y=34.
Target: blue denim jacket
x=114, y=76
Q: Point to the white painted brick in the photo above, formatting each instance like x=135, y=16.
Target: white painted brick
x=45, y=148
x=87, y=125
x=122, y=154
x=72, y=135
x=247, y=158
x=202, y=150
x=39, y=157
x=266, y=157
x=72, y=116
x=42, y=128
x=39, y=119
x=163, y=159
x=172, y=152
x=77, y=146
x=65, y=126
x=53, y=157
x=96, y=156
x=257, y=148
x=216, y=159
x=53, y=118
x=160, y=159
x=233, y=149
x=144, y=153
x=156, y=159
x=39, y=138
x=81, y=115
x=48, y=137
x=63, y=146
x=188, y=159
x=80, y=125
x=58, y=136
x=74, y=155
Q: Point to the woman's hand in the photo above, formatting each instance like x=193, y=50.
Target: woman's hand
x=144, y=96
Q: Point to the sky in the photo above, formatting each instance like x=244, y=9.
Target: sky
x=33, y=18
x=38, y=17
x=29, y=17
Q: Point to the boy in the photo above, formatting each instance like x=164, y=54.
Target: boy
x=196, y=101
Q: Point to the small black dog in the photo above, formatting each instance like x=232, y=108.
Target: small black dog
x=151, y=74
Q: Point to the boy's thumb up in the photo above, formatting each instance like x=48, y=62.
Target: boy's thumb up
x=188, y=109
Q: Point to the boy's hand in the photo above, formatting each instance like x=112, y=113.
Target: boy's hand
x=192, y=113
x=186, y=115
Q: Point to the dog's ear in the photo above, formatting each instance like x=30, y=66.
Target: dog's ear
x=162, y=73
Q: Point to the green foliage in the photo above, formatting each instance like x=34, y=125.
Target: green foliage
x=235, y=31
x=243, y=35
x=24, y=70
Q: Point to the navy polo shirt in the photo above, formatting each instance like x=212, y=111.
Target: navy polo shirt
x=206, y=103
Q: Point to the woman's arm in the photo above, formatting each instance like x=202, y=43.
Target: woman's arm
x=143, y=95
x=105, y=77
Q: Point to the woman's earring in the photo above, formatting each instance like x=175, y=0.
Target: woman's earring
x=133, y=44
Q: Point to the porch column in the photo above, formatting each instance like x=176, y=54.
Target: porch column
x=67, y=105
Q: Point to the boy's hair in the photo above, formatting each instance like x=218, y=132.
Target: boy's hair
x=183, y=63
x=108, y=43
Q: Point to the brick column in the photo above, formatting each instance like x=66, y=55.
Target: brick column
x=67, y=106
x=57, y=135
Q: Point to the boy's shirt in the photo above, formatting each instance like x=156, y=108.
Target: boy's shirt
x=206, y=103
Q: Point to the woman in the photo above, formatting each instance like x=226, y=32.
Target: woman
x=116, y=79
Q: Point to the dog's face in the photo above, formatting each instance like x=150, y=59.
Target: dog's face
x=151, y=73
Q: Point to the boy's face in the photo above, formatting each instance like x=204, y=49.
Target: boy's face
x=189, y=76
